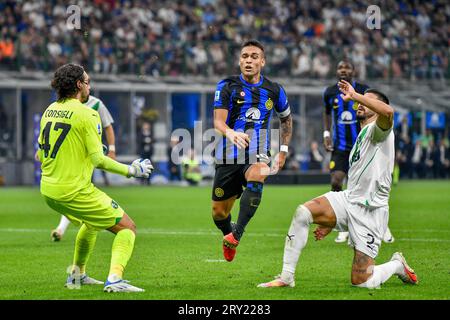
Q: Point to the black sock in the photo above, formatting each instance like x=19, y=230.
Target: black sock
x=224, y=225
x=250, y=200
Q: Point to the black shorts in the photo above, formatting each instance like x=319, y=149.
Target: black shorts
x=228, y=181
x=339, y=161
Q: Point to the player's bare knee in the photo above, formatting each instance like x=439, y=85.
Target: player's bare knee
x=360, y=278
x=319, y=214
x=132, y=227
x=258, y=172
x=219, y=212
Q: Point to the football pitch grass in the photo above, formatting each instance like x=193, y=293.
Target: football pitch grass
x=178, y=251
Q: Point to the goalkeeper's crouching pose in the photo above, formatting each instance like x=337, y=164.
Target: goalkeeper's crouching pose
x=70, y=148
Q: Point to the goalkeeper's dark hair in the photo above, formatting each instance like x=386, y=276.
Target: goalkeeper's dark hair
x=65, y=80
x=380, y=95
x=254, y=43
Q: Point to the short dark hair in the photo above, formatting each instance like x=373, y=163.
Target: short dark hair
x=65, y=80
x=346, y=61
x=381, y=96
x=254, y=43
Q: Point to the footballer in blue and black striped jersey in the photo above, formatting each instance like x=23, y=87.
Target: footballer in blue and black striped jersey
x=243, y=108
x=250, y=109
x=345, y=127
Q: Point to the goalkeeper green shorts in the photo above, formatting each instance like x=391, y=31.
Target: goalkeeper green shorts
x=91, y=207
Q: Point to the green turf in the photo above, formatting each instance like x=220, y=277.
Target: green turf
x=178, y=249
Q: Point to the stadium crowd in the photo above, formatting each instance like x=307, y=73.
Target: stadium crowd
x=202, y=37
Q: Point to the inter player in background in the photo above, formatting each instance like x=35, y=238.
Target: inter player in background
x=363, y=208
x=107, y=121
x=70, y=148
x=243, y=106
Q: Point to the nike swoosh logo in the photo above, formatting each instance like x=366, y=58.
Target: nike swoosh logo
x=240, y=101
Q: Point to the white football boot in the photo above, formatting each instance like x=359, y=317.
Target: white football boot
x=408, y=275
x=121, y=286
x=73, y=282
x=278, y=282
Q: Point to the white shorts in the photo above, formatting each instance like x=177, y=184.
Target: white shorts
x=366, y=226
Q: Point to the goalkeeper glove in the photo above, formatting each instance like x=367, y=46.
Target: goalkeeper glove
x=140, y=168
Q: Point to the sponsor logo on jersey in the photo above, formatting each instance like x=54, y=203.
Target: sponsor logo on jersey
x=114, y=204
x=219, y=192
x=346, y=118
x=253, y=114
x=240, y=101
x=217, y=95
x=269, y=104
x=335, y=103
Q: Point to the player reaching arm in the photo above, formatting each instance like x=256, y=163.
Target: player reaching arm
x=384, y=111
x=362, y=209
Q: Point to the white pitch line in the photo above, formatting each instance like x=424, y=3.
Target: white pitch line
x=205, y=233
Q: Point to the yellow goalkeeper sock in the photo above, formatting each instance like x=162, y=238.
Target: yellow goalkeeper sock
x=84, y=245
x=122, y=249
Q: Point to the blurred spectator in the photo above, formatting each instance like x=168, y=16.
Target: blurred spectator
x=174, y=169
x=444, y=159
x=4, y=132
x=280, y=60
x=418, y=159
x=291, y=161
x=301, y=64
x=316, y=158
x=413, y=41
x=405, y=154
x=321, y=65
x=145, y=139
x=191, y=169
x=7, y=53
x=432, y=160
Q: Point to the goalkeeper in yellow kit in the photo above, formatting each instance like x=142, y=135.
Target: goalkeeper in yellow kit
x=70, y=148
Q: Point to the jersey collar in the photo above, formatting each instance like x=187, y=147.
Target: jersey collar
x=252, y=84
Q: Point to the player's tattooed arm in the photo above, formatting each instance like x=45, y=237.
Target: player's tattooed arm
x=286, y=130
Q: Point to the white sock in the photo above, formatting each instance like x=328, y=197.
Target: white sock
x=63, y=224
x=382, y=273
x=295, y=241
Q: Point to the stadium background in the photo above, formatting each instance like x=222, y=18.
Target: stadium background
x=159, y=61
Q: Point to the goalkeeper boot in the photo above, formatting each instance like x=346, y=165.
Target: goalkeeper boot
x=121, y=286
x=277, y=282
x=73, y=281
x=408, y=275
x=229, y=246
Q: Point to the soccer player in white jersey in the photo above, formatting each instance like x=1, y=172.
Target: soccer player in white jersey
x=107, y=121
x=363, y=208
